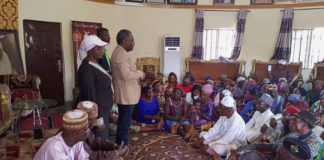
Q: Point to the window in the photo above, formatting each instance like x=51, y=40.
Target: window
x=307, y=46
x=218, y=42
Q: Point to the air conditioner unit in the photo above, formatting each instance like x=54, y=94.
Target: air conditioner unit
x=172, y=54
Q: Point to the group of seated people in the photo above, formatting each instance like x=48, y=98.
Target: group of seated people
x=233, y=119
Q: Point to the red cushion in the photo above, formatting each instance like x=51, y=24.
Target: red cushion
x=24, y=94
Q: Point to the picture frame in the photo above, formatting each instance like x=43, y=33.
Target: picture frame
x=285, y=1
x=10, y=55
x=155, y=1
x=137, y=1
x=308, y=1
x=183, y=2
x=261, y=2
x=224, y=2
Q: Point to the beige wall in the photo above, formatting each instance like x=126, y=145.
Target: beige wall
x=149, y=25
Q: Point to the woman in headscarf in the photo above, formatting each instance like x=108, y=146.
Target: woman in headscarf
x=283, y=89
x=240, y=89
x=176, y=113
x=194, y=94
x=209, y=80
x=207, y=108
x=280, y=72
x=171, y=83
x=295, y=100
x=252, y=91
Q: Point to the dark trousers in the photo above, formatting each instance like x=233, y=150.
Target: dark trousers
x=123, y=123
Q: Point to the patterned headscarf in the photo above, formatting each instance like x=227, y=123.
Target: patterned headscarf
x=282, y=85
x=252, y=85
x=209, y=79
x=223, y=77
x=207, y=88
x=294, y=97
x=282, y=79
x=240, y=79
x=266, y=81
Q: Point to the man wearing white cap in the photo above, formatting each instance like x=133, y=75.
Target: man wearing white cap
x=95, y=83
x=227, y=134
x=262, y=116
x=67, y=144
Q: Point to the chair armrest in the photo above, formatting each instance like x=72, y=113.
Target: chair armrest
x=162, y=77
x=5, y=108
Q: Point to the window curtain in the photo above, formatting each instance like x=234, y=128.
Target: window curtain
x=198, y=51
x=283, y=47
x=239, y=33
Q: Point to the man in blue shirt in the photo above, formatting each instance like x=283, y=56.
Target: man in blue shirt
x=103, y=34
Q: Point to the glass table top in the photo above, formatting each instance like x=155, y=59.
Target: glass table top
x=32, y=103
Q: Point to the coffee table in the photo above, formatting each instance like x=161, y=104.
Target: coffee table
x=36, y=105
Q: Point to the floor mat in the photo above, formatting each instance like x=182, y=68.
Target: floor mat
x=160, y=146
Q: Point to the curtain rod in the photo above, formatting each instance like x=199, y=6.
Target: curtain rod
x=304, y=9
x=223, y=10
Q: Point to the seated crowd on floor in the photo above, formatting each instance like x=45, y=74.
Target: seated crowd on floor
x=234, y=119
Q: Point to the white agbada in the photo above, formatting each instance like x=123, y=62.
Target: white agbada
x=227, y=133
x=253, y=127
x=55, y=149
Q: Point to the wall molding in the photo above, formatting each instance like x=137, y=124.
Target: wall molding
x=299, y=5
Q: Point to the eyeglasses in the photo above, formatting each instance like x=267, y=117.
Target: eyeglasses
x=288, y=117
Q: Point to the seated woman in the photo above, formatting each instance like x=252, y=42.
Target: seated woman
x=209, y=80
x=171, y=83
x=280, y=72
x=301, y=91
x=193, y=95
x=295, y=100
x=240, y=89
x=157, y=93
x=317, y=110
x=283, y=90
x=252, y=91
x=176, y=113
x=312, y=96
x=149, y=112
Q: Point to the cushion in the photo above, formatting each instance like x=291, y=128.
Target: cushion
x=22, y=94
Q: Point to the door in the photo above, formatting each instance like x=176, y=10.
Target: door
x=43, y=52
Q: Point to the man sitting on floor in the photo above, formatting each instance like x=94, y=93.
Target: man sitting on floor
x=279, y=102
x=67, y=144
x=228, y=133
x=262, y=116
x=96, y=146
x=302, y=123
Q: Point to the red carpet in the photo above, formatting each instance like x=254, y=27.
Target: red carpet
x=28, y=125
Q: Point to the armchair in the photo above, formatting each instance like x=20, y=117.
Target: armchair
x=6, y=113
x=151, y=67
x=22, y=86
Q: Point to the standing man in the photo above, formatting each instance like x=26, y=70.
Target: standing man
x=126, y=83
x=103, y=34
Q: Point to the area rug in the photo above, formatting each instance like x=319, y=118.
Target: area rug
x=160, y=146
x=22, y=146
x=144, y=146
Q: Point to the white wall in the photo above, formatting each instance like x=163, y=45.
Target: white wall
x=149, y=25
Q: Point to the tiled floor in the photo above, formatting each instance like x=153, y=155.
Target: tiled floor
x=61, y=109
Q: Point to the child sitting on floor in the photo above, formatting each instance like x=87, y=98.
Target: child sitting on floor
x=194, y=113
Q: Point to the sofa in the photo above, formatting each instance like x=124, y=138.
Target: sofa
x=14, y=88
x=260, y=69
x=213, y=68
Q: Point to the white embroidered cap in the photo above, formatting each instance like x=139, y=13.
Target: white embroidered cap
x=228, y=101
x=226, y=93
x=91, y=41
x=283, y=62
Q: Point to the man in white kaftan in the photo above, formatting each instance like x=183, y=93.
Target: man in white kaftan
x=228, y=133
x=262, y=116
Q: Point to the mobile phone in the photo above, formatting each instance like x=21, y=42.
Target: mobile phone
x=269, y=68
